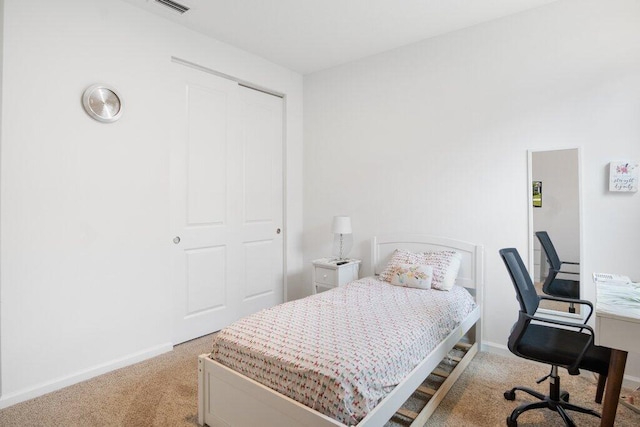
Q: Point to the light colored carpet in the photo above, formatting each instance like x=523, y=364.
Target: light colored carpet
x=477, y=397
x=162, y=392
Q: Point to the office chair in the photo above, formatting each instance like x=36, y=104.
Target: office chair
x=550, y=341
x=553, y=285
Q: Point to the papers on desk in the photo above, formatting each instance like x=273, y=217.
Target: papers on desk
x=614, y=279
x=618, y=299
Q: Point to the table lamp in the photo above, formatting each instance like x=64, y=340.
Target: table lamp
x=341, y=226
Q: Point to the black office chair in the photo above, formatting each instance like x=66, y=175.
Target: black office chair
x=549, y=341
x=553, y=285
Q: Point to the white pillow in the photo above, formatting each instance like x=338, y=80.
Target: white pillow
x=412, y=276
x=446, y=265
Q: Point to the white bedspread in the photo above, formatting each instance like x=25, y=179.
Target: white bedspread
x=340, y=352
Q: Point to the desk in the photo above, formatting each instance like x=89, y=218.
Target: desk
x=617, y=327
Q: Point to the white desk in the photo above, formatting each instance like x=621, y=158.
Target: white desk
x=617, y=327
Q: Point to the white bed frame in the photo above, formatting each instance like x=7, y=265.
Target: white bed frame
x=227, y=398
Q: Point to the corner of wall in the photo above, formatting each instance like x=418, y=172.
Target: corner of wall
x=1, y=139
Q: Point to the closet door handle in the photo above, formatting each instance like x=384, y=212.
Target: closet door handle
x=278, y=231
x=176, y=240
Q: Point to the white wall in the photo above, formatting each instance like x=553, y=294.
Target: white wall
x=433, y=138
x=85, y=206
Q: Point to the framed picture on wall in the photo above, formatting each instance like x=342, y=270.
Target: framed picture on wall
x=623, y=176
x=537, y=194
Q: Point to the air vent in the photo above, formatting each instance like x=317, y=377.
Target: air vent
x=177, y=7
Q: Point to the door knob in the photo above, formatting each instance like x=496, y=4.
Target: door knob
x=176, y=240
x=278, y=231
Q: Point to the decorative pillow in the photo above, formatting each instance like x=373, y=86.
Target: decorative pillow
x=412, y=275
x=446, y=265
x=400, y=256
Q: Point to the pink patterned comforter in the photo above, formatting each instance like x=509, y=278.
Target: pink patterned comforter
x=340, y=352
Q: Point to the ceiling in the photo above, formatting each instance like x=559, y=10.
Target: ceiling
x=311, y=35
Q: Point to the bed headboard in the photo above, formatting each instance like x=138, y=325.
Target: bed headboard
x=471, y=273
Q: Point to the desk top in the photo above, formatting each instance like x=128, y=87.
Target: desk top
x=618, y=301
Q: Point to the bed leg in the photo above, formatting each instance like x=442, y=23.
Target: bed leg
x=475, y=334
x=200, y=391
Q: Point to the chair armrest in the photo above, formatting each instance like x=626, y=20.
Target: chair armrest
x=578, y=326
x=571, y=300
x=568, y=272
x=573, y=369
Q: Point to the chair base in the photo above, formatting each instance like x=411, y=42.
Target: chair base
x=557, y=400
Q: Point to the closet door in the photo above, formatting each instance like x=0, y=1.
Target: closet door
x=261, y=135
x=220, y=206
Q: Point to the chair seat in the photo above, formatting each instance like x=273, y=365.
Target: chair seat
x=561, y=347
x=563, y=288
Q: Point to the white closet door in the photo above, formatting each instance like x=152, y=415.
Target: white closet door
x=261, y=181
x=220, y=205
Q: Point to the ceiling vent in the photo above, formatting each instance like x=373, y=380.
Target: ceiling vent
x=176, y=7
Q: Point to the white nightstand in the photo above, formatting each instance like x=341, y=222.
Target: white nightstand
x=328, y=274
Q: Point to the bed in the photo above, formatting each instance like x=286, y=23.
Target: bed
x=227, y=397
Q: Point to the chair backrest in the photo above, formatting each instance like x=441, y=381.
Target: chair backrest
x=525, y=291
x=549, y=250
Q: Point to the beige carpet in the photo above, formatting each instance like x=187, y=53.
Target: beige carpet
x=162, y=392
x=477, y=397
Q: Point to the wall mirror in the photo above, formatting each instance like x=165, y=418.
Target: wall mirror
x=554, y=208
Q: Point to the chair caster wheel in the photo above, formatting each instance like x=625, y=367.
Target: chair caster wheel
x=511, y=423
x=510, y=395
x=565, y=396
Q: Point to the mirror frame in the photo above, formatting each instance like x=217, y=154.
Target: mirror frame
x=530, y=238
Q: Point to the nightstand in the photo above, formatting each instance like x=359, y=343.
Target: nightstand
x=328, y=274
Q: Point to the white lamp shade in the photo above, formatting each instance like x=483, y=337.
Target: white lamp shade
x=341, y=225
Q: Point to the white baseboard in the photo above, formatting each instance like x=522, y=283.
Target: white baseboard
x=629, y=381
x=49, y=386
x=491, y=347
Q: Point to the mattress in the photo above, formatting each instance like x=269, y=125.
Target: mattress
x=342, y=351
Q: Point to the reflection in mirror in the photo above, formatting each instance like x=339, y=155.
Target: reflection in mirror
x=556, y=211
